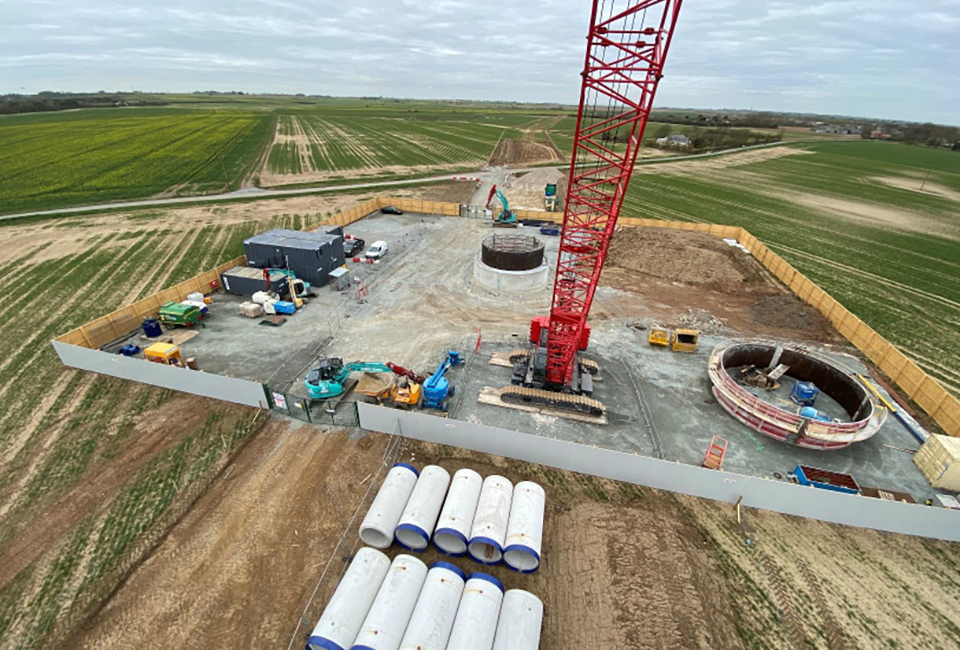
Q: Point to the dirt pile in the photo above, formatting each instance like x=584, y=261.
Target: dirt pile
x=791, y=313
x=521, y=152
x=527, y=191
x=684, y=257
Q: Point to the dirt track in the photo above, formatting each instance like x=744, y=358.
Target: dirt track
x=623, y=566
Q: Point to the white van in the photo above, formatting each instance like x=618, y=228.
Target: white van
x=378, y=250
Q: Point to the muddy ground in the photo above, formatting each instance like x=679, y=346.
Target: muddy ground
x=677, y=268
x=623, y=567
x=522, y=152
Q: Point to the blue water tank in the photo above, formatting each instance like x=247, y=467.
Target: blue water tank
x=804, y=393
x=151, y=328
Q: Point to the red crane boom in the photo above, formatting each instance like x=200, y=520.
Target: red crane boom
x=626, y=50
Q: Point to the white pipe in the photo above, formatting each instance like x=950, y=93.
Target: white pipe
x=525, y=530
x=432, y=620
x=384, y=513
x=391, y=610
x=420, y=516
x=521, y=616
x=340, y=623
x=476, y=623
x=490, y=523
x=456, y=518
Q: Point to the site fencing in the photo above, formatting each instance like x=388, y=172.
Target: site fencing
x=941, y=405
x=307, y=410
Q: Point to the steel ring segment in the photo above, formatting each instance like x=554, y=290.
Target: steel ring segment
x=450, y=567
x=487, y=542
x=510, y=557
x=409, y=467
x=460, y=537
x=413, y=528
x=479, y=575
x=317, y=642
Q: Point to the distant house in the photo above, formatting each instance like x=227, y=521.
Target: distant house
x=678, y=141
x=877, y=134
x=836, y=130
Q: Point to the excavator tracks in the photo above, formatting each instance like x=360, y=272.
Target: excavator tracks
x=567, y=402
x=589, y=365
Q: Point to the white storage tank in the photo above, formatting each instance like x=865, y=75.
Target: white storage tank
x=456, y=518
x=384, y=513
x=420, y=515
x=476, y=623
x=436, y=610
x=390, y=613
x=525, y=529
x=490, y=523
x=521, y=616
x=340, y=622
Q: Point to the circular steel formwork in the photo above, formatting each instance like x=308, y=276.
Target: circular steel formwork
x=512, y=252
x=784, y=424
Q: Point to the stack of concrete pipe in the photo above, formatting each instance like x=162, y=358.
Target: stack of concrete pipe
x=490, y=519
x=380, y=605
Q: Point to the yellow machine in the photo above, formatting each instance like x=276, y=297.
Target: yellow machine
x=659, y=337
x=685, y=340
x=405, y=393
x=165, y=353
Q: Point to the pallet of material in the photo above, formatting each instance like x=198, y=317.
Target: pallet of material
x=939, y=460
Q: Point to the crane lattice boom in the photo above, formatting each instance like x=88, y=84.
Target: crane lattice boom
x=626, y=49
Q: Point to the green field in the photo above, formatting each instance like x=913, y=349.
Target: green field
x=54, y=160
x=890, y=255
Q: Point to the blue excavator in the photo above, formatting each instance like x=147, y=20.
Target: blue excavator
x=437, y=388
x=505, y=218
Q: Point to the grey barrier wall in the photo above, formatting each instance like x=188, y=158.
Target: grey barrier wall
x=229, y=389
x=786, y=498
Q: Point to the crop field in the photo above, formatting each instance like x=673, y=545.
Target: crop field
x=310, y=146
x=55, y=160
x=849, y=215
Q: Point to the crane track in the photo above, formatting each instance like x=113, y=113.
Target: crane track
x=579, y=403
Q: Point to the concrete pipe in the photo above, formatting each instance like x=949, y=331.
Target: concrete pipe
x=525, y=529
x=384, y=514
x=420, y=516
x=476, y=623
x=456, y=518
x=341, y=620
x=490, y=523
x=436, y=610
x=391, y=610
x=521, y=616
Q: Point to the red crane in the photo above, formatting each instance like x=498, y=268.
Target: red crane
x=626, y=50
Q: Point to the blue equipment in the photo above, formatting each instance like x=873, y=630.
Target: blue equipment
x=804, y=393
x=437, y=389
x=814, y=414
x=129, y=350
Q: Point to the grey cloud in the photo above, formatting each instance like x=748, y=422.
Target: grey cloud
x=829, y=56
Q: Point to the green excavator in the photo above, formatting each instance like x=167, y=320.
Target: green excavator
x=505, y=218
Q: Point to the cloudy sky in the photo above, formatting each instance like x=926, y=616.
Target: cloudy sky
x=855, y=57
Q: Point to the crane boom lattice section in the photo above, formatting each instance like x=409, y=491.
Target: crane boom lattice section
x=626, y=49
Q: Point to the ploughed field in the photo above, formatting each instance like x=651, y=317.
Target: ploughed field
x=849, y=215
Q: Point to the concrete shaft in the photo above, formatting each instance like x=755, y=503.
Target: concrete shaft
x=499, y=281
x=436, y=610
x=384, y=513
x=521, y=616
x=476, y=623
x=490, y=523
x=340, y=622
x=420, y=515
x=525, y=529
x=390, y=613
x=456, y=518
